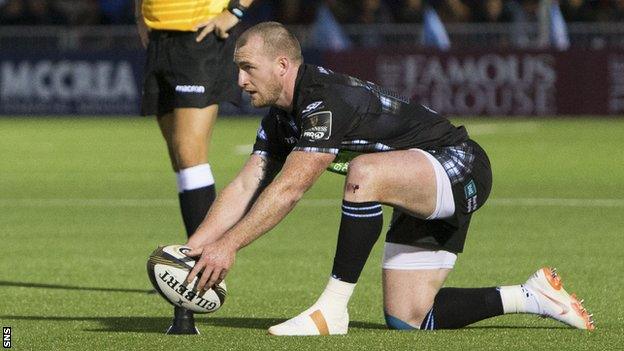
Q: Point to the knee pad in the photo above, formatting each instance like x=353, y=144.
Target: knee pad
x=396, y=324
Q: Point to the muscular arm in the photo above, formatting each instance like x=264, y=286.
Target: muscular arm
x=236, y=199
x=300, y=171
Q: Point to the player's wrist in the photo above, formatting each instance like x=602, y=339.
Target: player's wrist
x=231, y=241
x=237, y=9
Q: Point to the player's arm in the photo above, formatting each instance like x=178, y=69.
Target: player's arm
x=300, y=171
x=141, y=26
x=236, y=199
x=227, y=19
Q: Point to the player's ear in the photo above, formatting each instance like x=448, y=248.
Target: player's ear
x=284, y=64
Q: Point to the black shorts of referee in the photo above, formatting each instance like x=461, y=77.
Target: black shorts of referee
x=181, y=72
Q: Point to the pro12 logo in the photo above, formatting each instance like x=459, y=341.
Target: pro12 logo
x=6, y=337
x=317, y=126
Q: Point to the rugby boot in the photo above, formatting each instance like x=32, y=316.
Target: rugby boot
x=313, y=321
x=555, y=302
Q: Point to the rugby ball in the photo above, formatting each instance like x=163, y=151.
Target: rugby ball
x=168, y=267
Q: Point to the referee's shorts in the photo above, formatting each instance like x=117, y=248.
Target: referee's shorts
x=181, y=72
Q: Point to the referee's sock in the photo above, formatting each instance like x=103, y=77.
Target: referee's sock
x=196, y=191
x=458, y=307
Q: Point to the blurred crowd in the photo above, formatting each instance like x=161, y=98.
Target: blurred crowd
x=93, y=12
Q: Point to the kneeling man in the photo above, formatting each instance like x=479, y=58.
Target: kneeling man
x=393, y=152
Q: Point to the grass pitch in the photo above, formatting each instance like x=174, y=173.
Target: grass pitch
x=84, y=201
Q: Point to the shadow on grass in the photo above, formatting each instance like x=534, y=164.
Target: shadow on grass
x=71, y=287
x=160, y=324
x=520, y=327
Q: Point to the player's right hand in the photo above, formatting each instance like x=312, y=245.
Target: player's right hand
x=214, y=261
x=143, y=31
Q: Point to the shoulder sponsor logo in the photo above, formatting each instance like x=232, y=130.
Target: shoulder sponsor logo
x=317, y=126
x=191, y=89
x=323, y=70
x=311, y=107
x=261, y=133
x=429, y=109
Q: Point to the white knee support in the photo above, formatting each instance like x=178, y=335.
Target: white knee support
x=398, y=256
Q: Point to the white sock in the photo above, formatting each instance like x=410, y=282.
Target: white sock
x=194, y=177
x=335, y=298
x=518, y=299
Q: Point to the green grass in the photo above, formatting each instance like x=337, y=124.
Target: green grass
x=84, y=201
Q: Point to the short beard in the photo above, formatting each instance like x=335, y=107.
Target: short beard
x=273, y=93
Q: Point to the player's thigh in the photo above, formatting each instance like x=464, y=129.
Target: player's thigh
x=191, y=131
x=404, y=179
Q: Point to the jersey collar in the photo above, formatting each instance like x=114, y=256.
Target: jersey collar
x=298, y=82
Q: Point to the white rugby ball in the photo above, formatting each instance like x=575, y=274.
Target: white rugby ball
x=168, y=267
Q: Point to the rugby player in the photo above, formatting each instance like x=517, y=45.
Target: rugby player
x=189, y=71
x=393, y=152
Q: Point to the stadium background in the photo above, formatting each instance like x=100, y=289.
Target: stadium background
x=85, y=186
x=489, y=57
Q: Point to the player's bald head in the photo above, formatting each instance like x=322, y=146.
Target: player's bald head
x=276, y=39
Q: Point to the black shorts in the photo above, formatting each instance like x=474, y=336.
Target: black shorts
x=181, y=72
x=469, y=171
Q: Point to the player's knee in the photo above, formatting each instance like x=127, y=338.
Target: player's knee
x=395, y=323
x=361, y=171
x=360, y=167
x=361, y=181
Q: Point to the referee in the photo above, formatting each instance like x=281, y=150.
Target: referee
x=189, y=71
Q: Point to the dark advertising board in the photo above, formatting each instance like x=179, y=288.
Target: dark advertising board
x=527, y=83
x=95, y=83
x=496, y=83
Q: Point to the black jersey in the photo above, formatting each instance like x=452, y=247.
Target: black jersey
x=338, y=114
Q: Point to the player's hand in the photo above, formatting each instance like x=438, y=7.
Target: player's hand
x=221, y=25
x=143, y=32
x=215, y=260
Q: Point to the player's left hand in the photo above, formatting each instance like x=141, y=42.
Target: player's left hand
x=221, y=25
x=215, y=260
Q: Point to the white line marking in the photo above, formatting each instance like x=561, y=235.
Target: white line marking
x=87, y=202
x=59, y=202
x=244, y=149
x=510, y=128
x=556, y=202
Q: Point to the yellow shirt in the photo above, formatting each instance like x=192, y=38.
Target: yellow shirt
x=182, y=15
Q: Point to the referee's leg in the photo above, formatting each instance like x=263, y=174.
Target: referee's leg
x=188, y=132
